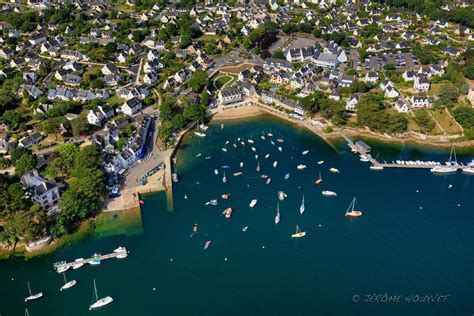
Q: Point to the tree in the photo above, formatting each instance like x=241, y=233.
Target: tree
x=80, y=125
x=52, y=125
x=470, y=69
x=12, y=118
x=204, y=99
x=424, y=120
x=198, y=80
x=26, y=163
x=465, y=116
x=194, y=112
x=167, y=108
x=447, y=95
x=18, y=152
x=279, y=55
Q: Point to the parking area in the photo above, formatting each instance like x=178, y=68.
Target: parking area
x=401, y=61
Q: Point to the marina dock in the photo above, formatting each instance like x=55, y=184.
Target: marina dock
x=363, y=150
x=120, y=253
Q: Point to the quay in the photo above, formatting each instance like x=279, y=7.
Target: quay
x=363, y=150
x=120, y=252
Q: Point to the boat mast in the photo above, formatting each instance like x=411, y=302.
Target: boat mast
x=26, y=312
x=64, y=275
x=29, y=288
x=95, y=292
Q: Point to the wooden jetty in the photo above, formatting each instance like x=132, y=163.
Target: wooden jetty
x=120, y=253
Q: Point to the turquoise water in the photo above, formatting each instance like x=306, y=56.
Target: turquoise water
x=406, y=243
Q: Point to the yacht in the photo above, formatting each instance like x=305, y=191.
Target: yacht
x=122, y=252
x=281, y=195
x=351, y=212
x=320, y=179
x=301, y=167
x=329, y=193
x=302, y=207
x=298, y=233
x=320, y=162
x=33, y=296
x=203, y=127
x=100, y=302
x=275, y=164
x=277, y=217
x=67, y=285
x=468, y=170
x=305, y=152
x=334, y=170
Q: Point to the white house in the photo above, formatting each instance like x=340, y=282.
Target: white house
x=391, y=92
x=421, y=83
x=401, y=106
x=230, y=95
x=132, y=106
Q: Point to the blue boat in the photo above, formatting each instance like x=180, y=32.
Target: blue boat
x=287, y=176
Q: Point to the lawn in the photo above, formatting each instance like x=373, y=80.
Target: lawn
x=222, y=80
x=114, y=100
x=446, y=121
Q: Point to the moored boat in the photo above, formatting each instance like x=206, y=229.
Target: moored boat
x=62, y=268
x=264, y=176
x=287, y=176
x=267, y=156
x=333, y=170
x=206, y=245
x=224, y=179
x=275, y=164
x=280, y=149
x=298, y=233
x=320, y=162
x=319, y=180
x=241, y=165
x=468, y=170
x=269, y=180
x=236, y=174
x=100, y=302
x=200, y=134
x=79, y=263
x=351, y=212
x=301, y=167
x=253, y=203
x=277, y=217
x=281, y=195
x=245, y=228
x=225, y=196
x=376, y=167
x=96, y=260
x=67, y=285
x=216, y=172
x=305, y=152
x=329, y=193
x=302, y=207
x=33, y=296
x=227, y=212
x=280, y=140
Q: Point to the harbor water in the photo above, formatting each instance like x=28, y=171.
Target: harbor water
x=411, y=253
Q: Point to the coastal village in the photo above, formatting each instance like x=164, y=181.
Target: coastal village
x=95, y=96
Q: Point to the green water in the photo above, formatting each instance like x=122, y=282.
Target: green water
x=394, y=248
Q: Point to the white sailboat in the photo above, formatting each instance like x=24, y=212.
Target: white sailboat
x=224, y=179
x=33, y=296
x=450, y=165
x=298, y=233
x=67, y=285
x=275, y=164
x=302, y=207
x=277, y=217
x=253, y=203
x=258, y=166
x=100, y=302
x=351, y=212
x=79, y=263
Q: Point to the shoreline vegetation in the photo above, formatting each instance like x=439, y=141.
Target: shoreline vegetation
x=363, y=133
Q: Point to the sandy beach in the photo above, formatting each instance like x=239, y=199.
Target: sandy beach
x=250, y=111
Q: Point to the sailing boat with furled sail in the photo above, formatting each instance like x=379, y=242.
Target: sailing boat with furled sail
x=100, y=302
x=351, y=212
x=320, y=179
x=277, y=217
x=298, y=233
x=302, y=207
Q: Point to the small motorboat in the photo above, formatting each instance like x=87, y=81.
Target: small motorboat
x=62, y=269
x=216, y=172
x=250, y=141
x=262, y=137
x=200, y=134
x=227, y=212
x=211, y=202
x=280, y=149
x=195, y=228
x=206, y=245
x=281, y=195
x=143, y=202
x=329, y=193
x=254, y=149
x=256, y=157
x=234, y=145
x=301, y=167
x=253, y=203
x=376, y=167
x=305, y=152
x=203, y=127
x=96, y=260
x=241, y=165
x=320, y=162
x=79, y=262
x=198, y=155
x=320, y=179
x=272, y=142
x=270, y=134
x=269, y=180
x=334, y=170
x=236, y=174
x=225, y=196
x=242, y=143
x=275, y=164
x=208, y=157
x=280, y=140
x=287, y=176
x=264, y=176
x=267, y=156
x=224, y=149
x=245, y=228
